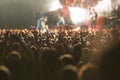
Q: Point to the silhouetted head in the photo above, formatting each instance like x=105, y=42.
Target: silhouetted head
x=50, y=64
x=4, y=73
x=14, y=63
x=49, y=57
x=15, y=46
x=110, y=63
x=66, y=59
x=69, y=72
x=88, y=72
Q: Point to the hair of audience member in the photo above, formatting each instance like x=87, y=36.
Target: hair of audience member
x=69, y=72
x=66, y=59
x=49, y=57
x=15, y=46
x=35, y=53
x=5, y=73
x=110, y=63
x=77, y=48
x=86, y=54
x=50, y=64
x=88, y=72
x=14, y=62
x=77, y=52
x=60, y=48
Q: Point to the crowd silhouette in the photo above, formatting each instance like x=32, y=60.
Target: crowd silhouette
x=59, y=55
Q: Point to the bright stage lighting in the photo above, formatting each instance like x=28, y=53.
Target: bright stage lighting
x=104, y=6
x=76, y=29
x=55, y=4
x=78, y=15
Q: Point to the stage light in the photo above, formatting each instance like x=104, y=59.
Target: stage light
x=55, y=4
x=76, y=29
x=104, y=6
x=78, y=15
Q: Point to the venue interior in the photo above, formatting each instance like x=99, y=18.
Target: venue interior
x=59, y=39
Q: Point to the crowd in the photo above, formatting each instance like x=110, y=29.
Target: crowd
x=59, y=54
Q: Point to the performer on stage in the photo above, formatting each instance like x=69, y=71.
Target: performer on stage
x=61, y=21
x=93, y=20
x=41, y=24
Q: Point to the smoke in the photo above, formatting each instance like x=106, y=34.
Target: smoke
x=104, y=6
x=54, y=5
x=117, y=2
x=16, y=12
x=78, y=15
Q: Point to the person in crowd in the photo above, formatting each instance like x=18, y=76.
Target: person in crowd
x=5, y=73
x=14, y=63
x=66, y=59
x=69, y=70
x=88, y=72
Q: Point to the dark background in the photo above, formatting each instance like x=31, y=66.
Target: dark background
x=20, y=13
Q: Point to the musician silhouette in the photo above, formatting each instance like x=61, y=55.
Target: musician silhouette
x=94, y=16
x=41, y=23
